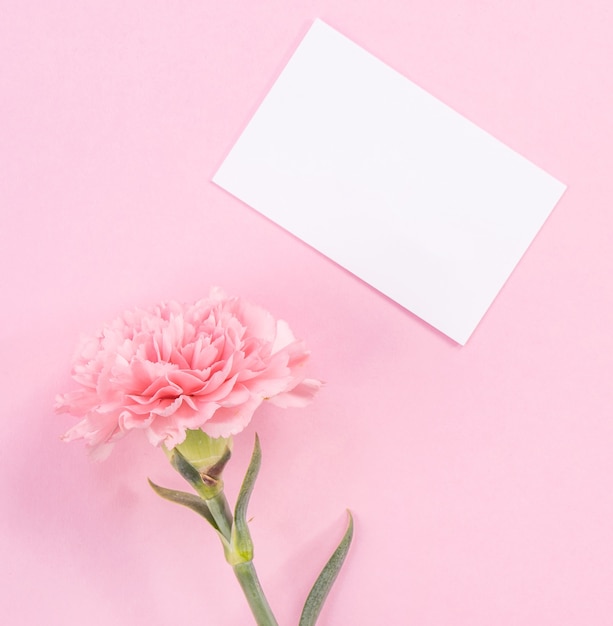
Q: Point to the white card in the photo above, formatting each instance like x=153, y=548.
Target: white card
x=392, y=184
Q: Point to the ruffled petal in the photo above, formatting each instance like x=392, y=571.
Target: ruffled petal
x=176, y=367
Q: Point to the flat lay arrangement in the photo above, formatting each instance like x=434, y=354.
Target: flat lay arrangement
x=395, y=408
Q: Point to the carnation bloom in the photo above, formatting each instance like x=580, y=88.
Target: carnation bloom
x=175, y=367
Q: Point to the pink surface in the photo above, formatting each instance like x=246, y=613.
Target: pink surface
x=481, y=478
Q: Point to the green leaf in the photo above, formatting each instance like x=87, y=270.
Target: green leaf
x=195, y=504
x=324, y=582
x=189, y=500
x=242, y=545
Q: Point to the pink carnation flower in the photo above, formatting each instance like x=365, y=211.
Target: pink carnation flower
x=206, y=365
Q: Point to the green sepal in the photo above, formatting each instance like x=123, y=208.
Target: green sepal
x=206, y=489
x=207, y=454
x=186, y=469
x=325, y=580
x=242, y=545
x=214, y=472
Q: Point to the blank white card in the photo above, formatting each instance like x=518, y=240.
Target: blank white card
x=389, y=182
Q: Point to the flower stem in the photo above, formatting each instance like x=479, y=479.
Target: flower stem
x=248, y=579
x=245, y=571
x=220, y=510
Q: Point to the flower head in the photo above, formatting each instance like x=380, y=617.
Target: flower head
x=174, y=367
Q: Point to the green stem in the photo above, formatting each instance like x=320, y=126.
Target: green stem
x=248, y=579
x=220, y=510
x=245, y=572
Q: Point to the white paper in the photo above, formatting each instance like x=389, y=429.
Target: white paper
x=392, y=184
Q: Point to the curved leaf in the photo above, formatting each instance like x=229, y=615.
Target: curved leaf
x=189, y=500
x=324, y=582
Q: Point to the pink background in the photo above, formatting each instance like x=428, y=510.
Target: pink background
x=481, y=478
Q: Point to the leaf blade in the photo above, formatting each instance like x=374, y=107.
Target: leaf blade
x=320, y=590
x=188, y=500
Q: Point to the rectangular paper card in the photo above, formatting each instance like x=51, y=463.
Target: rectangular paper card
x=389, y=182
